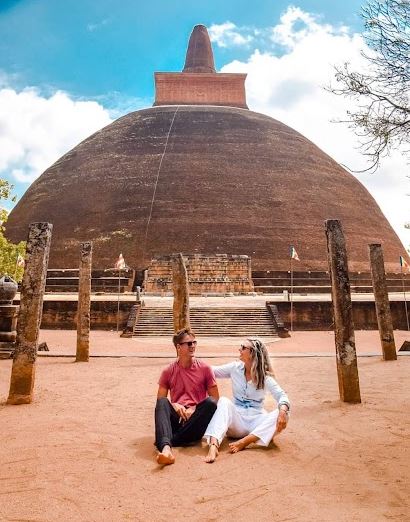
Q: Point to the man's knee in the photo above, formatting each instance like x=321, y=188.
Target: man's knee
x=210, y=404
x=162, y=404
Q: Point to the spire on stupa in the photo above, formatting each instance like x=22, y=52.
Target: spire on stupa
x=199, y=55
x=199, y=83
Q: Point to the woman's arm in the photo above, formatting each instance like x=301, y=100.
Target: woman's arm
x=279, y=395
x=283, y=403
x=224, y=371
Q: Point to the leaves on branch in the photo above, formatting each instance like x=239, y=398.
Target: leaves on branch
x=9, y=251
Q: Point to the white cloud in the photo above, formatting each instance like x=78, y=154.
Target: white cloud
x=296, y=25
x=228, y=35
x=35, y=130
x=91, y=27
x=289, y=86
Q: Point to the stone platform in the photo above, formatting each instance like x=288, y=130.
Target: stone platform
x=219, y=274
x=311, y=312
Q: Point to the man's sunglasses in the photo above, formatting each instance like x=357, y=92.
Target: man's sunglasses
x=189, y=343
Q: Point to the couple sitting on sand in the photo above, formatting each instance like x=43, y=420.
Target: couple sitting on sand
x=195, y=409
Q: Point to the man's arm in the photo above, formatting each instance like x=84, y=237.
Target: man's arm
x=213, y=392
x=162, y=392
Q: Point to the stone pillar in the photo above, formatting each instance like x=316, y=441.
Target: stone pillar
x=347, y=371
x=180, y=284
x=381, y=300
x=31, y=307
x=84, y=299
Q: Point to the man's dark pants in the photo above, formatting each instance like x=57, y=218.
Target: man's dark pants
x=170, y=431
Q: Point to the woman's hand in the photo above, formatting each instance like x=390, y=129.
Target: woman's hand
x=282, y=421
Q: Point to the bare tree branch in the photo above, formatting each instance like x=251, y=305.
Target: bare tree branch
x=382, y=119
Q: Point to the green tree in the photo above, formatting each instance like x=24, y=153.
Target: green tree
x=382, y=119
x=5, y=193
x=9, y=252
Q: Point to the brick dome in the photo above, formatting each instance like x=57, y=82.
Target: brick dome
x=201, y=179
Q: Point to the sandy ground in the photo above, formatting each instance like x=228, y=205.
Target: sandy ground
x=83, y=450
x=306, y=343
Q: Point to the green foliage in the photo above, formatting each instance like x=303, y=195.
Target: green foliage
x=9, y=251
x=5, y=193
x=8, y=258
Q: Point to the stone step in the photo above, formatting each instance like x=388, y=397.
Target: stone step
x=227, y=333
x=205, y=325
x=208, y=322
x=209, y=314
x=207, y=319
x=212, y=310
x=231, y=321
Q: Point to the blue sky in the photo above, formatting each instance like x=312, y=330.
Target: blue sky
x=69, y=68
x=93, y=48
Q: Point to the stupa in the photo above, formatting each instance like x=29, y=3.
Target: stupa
x=201, y=173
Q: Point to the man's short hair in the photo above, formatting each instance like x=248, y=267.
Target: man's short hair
x=177, y=338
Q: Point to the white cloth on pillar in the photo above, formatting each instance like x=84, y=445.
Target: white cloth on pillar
x=245, y=414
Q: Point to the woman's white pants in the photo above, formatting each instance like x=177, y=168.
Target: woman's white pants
x=238, y=422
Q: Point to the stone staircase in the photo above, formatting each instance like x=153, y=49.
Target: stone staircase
x=226, y=321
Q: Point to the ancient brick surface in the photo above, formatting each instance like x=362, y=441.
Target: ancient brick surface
x=231, y=180
x=318, y=315
x=207, y=274
x=199, y=56
x=200, y=89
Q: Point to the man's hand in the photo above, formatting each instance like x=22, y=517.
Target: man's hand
x=282, y=420
x=189, y=411
x=182, y=411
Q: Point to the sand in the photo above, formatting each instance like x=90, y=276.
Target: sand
x=83, y=450
x=300, y=343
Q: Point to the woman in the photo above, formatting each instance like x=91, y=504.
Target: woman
x=244, y=416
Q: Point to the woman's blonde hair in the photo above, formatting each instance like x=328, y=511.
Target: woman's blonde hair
x=261, y=365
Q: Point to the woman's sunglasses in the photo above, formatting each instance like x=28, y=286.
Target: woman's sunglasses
x=189, y=343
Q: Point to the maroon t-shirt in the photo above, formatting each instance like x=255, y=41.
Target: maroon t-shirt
x=188, y=386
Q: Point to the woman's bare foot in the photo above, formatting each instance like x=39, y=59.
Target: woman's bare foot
x=165, y=457
x=238, y=445
x=212, y=453
x=241, y=444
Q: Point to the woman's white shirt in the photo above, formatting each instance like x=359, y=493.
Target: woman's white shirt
x=245, y=394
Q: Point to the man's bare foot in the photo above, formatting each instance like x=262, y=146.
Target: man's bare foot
x=238, y=445
x=212, y=453
x=165, y=457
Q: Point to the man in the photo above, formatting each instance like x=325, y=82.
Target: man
x=193, y=394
